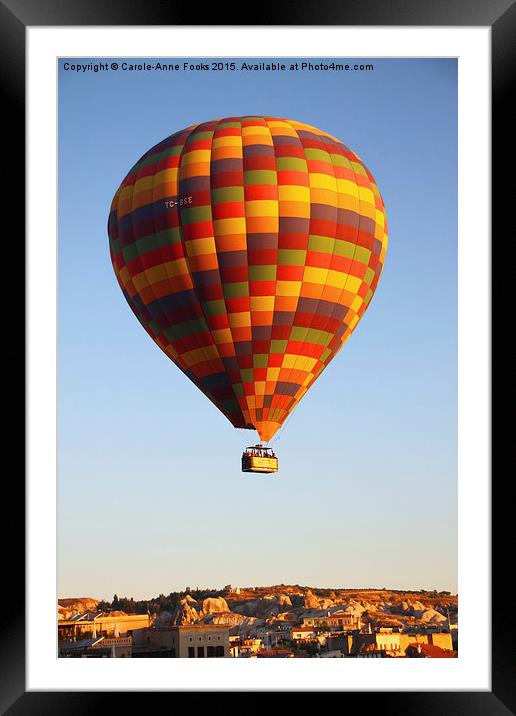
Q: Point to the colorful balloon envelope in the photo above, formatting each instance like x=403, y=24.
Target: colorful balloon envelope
x=249, y=248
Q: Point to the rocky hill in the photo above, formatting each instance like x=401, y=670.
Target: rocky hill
x=261, y=605
x=67, y=608
x=247, y=607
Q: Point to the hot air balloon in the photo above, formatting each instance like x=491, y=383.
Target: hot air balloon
x=249, y=248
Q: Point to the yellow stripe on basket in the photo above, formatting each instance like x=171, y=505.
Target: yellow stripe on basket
x=262, y=303
x=239, y=320
x=223, y=227
x=169, y=269
x=366, y=195
x=223, y=335
x=272, y=374
x=345, y=186
x=325, y=196
x=264, y=207
x=200, y=247
x=259, y=387
x=196, y=156
x=255, y=129
x=288, y=288
x=166, y=175
x=313, y=274
x=322, y=181
x=231, y=141
x=292, y=192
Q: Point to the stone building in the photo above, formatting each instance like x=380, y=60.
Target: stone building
x=336, y=621
x=190, y=641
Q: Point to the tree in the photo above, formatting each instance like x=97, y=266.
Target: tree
x=310, y=649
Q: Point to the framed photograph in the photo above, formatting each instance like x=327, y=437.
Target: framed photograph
x=251, y=195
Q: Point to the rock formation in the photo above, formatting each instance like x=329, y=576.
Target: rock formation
x=187, y=612
x=214, y=604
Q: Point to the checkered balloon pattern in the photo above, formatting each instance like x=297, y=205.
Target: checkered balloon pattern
x=249, y=248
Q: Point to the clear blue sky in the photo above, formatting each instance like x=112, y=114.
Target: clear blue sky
x=150, y=493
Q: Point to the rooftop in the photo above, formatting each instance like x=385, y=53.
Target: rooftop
x=275, y=652
x=432, y=651
x=81, y=644
x=192, y=627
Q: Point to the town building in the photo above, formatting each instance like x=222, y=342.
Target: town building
x=372, y=651
x=334, y=654
x=303, y=633
x=190, y=641
x=230, y=589
x=96, y=624
x=273, y=636
x=275, y=654
x=441, y=639
x=97, y=647
x=417, y=650
x=334, y=621
x=249, y=647
x=234, y=646
x=340, y=642
x=120, y=647
x=385, y=642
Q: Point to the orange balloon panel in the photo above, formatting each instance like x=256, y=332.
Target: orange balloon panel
x=249, y=248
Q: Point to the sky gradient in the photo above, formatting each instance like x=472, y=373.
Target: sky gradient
x=150, y=493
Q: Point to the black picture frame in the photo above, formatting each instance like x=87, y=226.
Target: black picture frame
x=15, y=17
